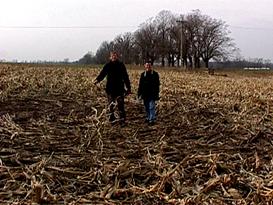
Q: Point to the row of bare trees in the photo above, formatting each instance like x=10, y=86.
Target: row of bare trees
x=191, y=40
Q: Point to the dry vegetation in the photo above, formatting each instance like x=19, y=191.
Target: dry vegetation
x=212, y=143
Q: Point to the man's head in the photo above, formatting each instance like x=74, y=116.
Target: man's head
x=113, y=56
x=148, y=65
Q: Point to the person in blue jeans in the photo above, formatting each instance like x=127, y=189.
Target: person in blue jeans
x=148, y=91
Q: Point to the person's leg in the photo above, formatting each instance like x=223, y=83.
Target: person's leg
x=152, y=111
x=111, y=104
x=120, y=101
x=147, y=109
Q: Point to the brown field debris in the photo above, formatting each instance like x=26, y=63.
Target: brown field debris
x=212, y=143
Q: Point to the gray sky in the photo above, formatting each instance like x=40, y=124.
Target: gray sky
x=251, y=24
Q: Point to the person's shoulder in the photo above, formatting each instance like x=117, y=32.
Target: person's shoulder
x=107, y=64
x=121, y=63
x=155, y=72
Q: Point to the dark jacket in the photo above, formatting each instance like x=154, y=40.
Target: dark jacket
x=149, y=83
x=117, y=76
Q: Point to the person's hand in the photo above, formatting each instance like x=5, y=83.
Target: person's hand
x=95, y=82
x=128, y=92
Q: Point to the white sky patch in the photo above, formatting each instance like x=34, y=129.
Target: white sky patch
x=251, y=24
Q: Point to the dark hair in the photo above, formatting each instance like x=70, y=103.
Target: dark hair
x=148, y=61
x=114, y=52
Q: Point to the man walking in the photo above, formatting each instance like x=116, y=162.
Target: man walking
x=117, y=77
x=148, y=90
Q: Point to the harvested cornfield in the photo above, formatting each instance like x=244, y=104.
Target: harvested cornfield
x=212, y=143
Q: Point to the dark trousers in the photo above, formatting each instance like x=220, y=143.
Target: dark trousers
x=112, y=100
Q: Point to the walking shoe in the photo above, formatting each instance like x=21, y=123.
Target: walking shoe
x=122, y=123
x=112, y=119
x=151, y=123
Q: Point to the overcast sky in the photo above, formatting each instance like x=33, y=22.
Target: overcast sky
x=250, y=21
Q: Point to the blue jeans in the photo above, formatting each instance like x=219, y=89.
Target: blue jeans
x=150, y=110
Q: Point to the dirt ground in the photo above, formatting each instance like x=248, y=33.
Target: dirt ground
x=211, y=144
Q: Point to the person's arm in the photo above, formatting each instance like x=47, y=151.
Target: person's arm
x=157, y=86
x=140, y=87
x=126, y=79
x=102, y=74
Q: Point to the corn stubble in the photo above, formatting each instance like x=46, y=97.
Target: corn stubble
x=212, y=143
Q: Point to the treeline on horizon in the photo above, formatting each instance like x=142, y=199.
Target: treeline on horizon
x=233, y=64
x=193, y=40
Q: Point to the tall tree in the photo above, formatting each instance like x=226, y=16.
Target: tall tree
x=146, y=40
x=124, y=44
x=163, y=23
x=102, y=54
x=193, y=29
x=214, y=40
x=88, y=58
x=201, y=38
x=206, y=38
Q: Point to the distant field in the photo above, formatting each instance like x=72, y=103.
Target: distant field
x=212, y=143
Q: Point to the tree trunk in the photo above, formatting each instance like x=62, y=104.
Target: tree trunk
x=206, y=63
x=162, y=61
x=173, y=61
x=197, y=62
x=190, y=62
x=178, y=59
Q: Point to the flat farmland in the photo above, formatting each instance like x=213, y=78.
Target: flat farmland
x=212, y=142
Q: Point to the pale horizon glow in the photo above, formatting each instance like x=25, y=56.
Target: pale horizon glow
x=54, y=30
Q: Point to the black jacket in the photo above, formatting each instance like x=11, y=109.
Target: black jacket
x=149, y=83
x=117, y=76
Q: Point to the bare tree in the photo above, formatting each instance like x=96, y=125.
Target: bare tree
x=174, y=44
x=163, y=22
x=146, y=40
x=88, y=58
x=162, y=38
x=124, y=44
x=204, y=39
x=215, y=42
x=102, y=53
x=193, y=32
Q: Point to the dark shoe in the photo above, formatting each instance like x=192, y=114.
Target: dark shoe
x=113, y=122
x=122, y=123
x=112, y=119
x=146, y=121
x=151, y=123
